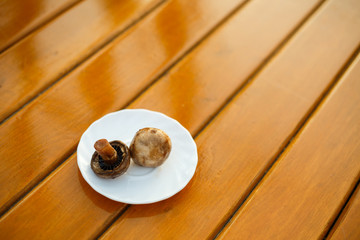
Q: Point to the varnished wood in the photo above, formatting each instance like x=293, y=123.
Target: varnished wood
x=57, y=212
x=347, y=226
x=18, y=18
x=46, y=55
x=240, y=144
x=50, y=127
x=234, y=150
x=248, y=14
x=206, y=78
x=218, y=143
x=304, y=191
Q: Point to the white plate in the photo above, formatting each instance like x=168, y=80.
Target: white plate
x=139, y=185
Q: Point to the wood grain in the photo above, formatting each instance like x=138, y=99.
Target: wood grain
x=241, y=142
x=53, y=50
x=50, y=127
x=18, y=18
x=304, y=191
x=347, y=226
x=53, y=185
x=207, y=77
x=57, y=212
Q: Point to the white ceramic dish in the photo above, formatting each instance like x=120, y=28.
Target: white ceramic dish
x=139, y=185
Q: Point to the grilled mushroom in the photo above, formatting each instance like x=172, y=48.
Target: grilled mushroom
x=110, y=160
x=150, y=147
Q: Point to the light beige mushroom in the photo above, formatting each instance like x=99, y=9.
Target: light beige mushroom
x=150, y=147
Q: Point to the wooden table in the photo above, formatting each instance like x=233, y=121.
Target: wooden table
x=270, y=91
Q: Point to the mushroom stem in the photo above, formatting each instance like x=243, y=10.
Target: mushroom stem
x=106, y=151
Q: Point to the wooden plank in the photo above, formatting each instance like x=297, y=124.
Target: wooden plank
x=241, y=143
x=49, y=128
x=53, y=185
x=41, y=58
x=239, y=123
x=302, y=194
x=347, y=226
x=18, y=18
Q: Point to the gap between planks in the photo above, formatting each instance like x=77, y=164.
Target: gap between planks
x=293, y=136
x=111, y=221
x=87, y=57
x=46, y=21
x=342, y=209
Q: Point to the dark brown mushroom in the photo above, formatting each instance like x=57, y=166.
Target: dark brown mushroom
x=150, y=147
x=110, y=160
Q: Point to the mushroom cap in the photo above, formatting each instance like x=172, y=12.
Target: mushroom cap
x=120, y=166
x=150, y=147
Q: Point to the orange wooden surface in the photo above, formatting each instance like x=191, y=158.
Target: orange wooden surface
x=66, y=214
x=303, y=192
x=271, y=106
x=347, y=226
x=247, y=14
x=97, y=87
x=205, y=79
x=18, y=18
x=190, y=60
x=53, y=50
